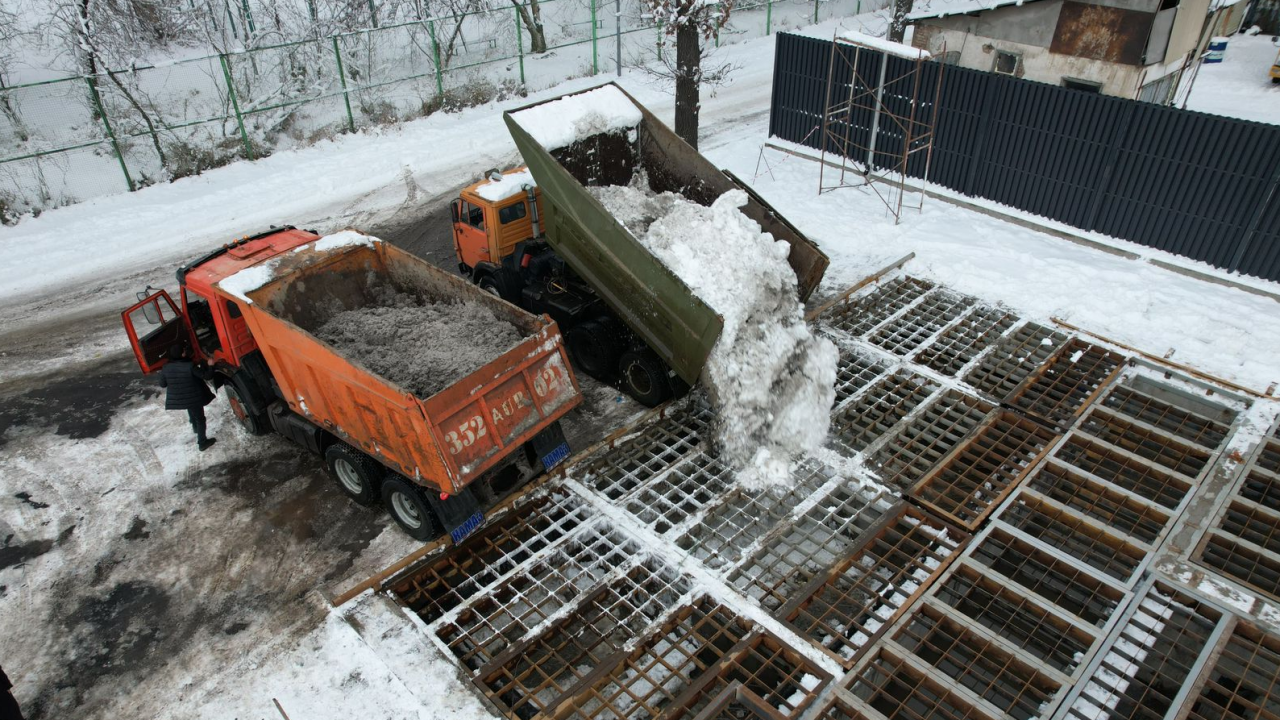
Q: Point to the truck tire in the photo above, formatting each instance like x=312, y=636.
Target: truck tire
x=594, y=349
x=253, y=423
x=359, y=476
x=410, y=510
x=644, y=377
x=504, y=283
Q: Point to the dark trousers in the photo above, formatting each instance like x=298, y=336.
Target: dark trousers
x=196, y=415
x=9, y=707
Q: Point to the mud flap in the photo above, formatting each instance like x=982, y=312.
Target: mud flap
x=550, y=446
x=460, y=513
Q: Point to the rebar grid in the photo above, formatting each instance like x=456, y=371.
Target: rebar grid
x=1164, y=450
x=449, y=580
x=1261, y=488
x=672, y=497
x=876, y=411
x=1175, y=420
x=856, y=315
x=964, y=341
x=1243, y=563
x=1124, y=471
x=1056, y=581
x=500, y=618
x=977, y=664
x=738, y=703
x=666, y=662
x=650, y=451
x=854, y=371
x=1060, y=388
x=531, y=676
x=1253, y=524
x=1095, y=500
x=731, y=526
x=899, y=691
x=837, y=709
x=1013, y=359
x=904, y=335
x=937, y=430
x=1269, y=458
x=1015, y=617
x=971, y=481
x=1074, y=536
x=867, y=590
x=764, y=665
x=789, y=560
x=1244, y=684
x=1150, y=660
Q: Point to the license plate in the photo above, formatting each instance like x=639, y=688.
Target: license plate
x=555, y=457
x=462, y=531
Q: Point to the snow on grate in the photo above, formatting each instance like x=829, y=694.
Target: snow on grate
x=1061, y=387
x=915, y=450
x=863, y=421
x=981, y=328
x=857, y=315
x=905, y=334
x=1013, y=359
x=855, y=370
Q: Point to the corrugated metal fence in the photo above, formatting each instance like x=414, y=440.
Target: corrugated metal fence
x=1201, y=186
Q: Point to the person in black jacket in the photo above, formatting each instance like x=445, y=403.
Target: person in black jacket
x=185, y=383
x=9, y=709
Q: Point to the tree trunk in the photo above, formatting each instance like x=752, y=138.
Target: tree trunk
x=898, y=25
x=688, y=77
x=533, y=23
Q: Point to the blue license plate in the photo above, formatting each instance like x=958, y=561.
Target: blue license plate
x=555, y=457
x=462, y=531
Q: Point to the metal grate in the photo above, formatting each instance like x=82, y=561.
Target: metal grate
x=800, y=552
x=1057, y=581
x=866, y=591
x=1066, y=383
x=874, y=413
x=763, y=665
x=531, y=676
x=905, y=334
x=447, y=581
x=971, y=481
x=1014, y=617
x=671, y=498
x=1073, y=535
x=857, y=315
x=1147, y=664
x=650, y=451
x=1269, y=458
x=1170, y=418
x=1124, y=471
x=1013, y=359
x=1244, y=684
x=1253, y=524
x=981, y=666
x=854, y=371
x=899, y=691
x=937, y=430
x=1095, y=500
x=1258, y=570
x=1146, y=443
x=1262, y=489
x=965, y=340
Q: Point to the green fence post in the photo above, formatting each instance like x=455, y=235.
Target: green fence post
x=595, y=50
x=768, y=18
x=373, y=13
x=342, y=77
x=235, y=104
x=248, y=18
x=520, y=45
x=815, y=11
x=111, y=135
x=435, y=49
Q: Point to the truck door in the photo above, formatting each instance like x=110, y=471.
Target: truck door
x=154, y=326
x=470, y=236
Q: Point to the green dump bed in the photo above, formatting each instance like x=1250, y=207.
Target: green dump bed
x=649, y=297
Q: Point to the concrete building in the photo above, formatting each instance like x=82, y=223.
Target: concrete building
x=1127, y=48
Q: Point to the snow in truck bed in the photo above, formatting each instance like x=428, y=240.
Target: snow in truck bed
x=563, y=122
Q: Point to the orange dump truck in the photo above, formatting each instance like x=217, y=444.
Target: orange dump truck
x=252, y=311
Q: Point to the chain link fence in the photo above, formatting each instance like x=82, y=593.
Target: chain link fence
x=68, y=140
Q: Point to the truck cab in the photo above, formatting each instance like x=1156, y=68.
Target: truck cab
x=491, y=218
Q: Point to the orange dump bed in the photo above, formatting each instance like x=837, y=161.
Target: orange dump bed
x=446, y=440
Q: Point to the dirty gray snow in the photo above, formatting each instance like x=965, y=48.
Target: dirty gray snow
x=423, y=348
x=772, y=380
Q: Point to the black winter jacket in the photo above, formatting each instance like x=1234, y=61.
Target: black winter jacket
x=186, y=386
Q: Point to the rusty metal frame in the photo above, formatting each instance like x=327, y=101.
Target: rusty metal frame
x=906, y=333
x=876, y=412
x=1065, y=384
x=959, y=344
x=1016, y=356
x=929, y=436
x=854, y=316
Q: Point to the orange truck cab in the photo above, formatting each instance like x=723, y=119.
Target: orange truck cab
x=249, y=308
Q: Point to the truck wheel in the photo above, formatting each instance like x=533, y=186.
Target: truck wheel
x=252, y=424
x=593, y=349
x=359, y=476
x=644, y=377
x=504, y=283
x=410, y=510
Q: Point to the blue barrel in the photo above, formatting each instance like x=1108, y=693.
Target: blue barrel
x=1217, y=50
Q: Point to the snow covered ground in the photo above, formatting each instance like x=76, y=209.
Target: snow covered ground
x=1239, y=86
x=214, y=605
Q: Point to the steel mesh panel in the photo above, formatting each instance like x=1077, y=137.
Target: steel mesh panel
x=1253, y=524
x=764, y=665
x=1261, y=488
x=1156, y=447
x=1063, y=385
x=977, y=476
x=671, y=498
x=856, y=315
x=1269, y=458
x=1144, y=669
x=449, y=580
x=1013, y=359
x=1244, y=684
x=1095, y=500
x=1015, y=617
x=905, y=334
x=937, y=430
x=977, y=664
x=1170, y=418
x=1074, y=536
x=1242, y=562
x=1124, y=471
x=965, y=340
x=838, y=709
x=876, y=411
x=650, y=451
x=1057, y=582
x=854, y=371
x=866, y=591
x=898, y=691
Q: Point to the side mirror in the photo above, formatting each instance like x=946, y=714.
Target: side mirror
x=150, y=311
x=455, y=209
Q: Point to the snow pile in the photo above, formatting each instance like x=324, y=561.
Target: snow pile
x=563, y=122
x=346, y=238
x=506, y=186
x=890, y=47
x=249, y=279
x=771, y=379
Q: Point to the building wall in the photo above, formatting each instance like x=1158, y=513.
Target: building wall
x=1186, y=29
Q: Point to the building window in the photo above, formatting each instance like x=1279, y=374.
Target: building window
x=1085, y=85
x=1006, y=62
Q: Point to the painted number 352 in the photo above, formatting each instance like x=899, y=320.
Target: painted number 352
x=466, y=435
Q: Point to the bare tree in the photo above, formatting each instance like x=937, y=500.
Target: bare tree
x=898, y=22
x=691, y=22
x=11, y=33
x=532, y=16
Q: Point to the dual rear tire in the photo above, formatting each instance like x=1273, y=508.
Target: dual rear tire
x=366, y=482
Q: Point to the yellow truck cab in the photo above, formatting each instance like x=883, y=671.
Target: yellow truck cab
x=491, y=217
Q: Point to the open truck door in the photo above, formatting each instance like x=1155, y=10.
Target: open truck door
x=154, y=326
